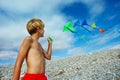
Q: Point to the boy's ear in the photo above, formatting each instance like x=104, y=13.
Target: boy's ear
x=37, y=28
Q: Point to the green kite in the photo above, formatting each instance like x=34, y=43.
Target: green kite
x=69, y=27
x=93, y=26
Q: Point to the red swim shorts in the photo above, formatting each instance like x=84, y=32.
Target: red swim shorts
x=40, y=76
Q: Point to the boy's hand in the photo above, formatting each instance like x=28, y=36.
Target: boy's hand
x=50, y=40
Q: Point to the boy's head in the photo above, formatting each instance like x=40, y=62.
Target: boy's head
x=33, y=25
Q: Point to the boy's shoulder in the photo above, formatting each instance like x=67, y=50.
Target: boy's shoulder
x=28, y=38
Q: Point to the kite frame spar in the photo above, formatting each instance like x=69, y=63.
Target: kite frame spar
x=77, y=23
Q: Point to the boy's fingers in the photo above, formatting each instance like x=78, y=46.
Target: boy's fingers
x=50, y=39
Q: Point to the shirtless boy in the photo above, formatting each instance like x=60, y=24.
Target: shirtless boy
x=32, y=51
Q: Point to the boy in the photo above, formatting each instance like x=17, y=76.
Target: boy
x=32, y=51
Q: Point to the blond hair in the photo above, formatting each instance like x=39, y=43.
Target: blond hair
x=33, y=24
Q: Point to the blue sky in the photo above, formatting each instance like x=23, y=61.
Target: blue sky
x=55, y=14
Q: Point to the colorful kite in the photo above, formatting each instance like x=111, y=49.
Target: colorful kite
x=69, y=27
x=102, y=30
x=86, y=29
x=83, y=38
x=93, y=26
x=84, y=23
x=76, y=27
x=77, y=23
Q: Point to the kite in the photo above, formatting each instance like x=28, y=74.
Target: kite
x=73, y=27
x=69, y=27
x=93, y=26
x=102, y=30
x=77, y=23
x=86, y=29
x=84, y=23
x=83, y=38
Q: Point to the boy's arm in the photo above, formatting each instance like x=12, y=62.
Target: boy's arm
x=20, y=58
x=47, y=54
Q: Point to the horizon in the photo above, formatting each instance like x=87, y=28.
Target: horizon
x=63, y=58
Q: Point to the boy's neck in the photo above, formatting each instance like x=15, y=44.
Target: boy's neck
x=35, y=36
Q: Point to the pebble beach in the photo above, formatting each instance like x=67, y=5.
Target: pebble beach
x=101, y=65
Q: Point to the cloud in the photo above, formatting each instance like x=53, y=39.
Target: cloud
x=61, y=40
x=8, y=55
x=96, y=10
x=111, y=17
x=76, y=50
x=115, y=47
x=56, y=57
x=105, y=37
x=117, y=4
x=54, y=28
x=19, y=6
x=95, y=7
x=14, y=18
x=102, y=41
x=34, y=6
x=11, y=35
